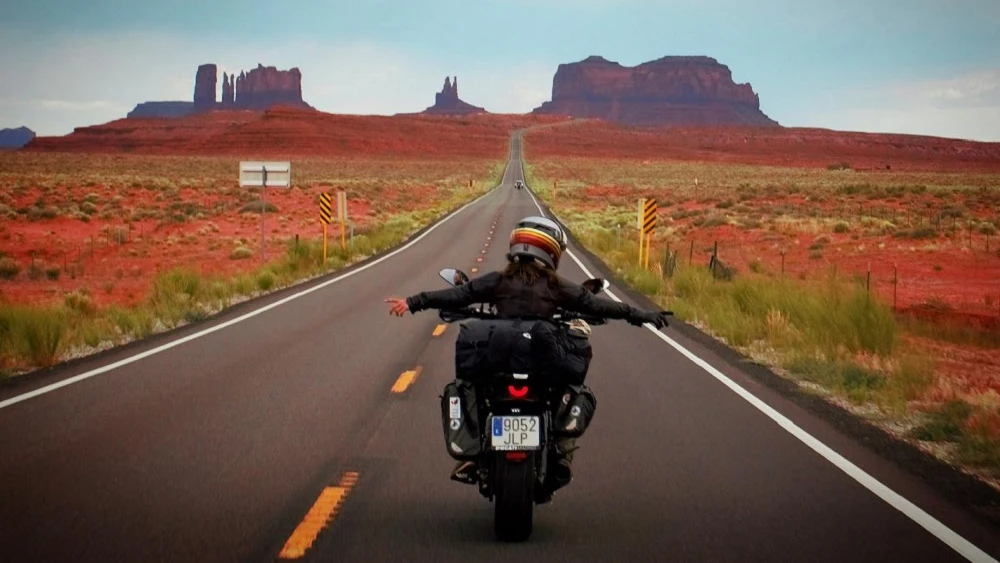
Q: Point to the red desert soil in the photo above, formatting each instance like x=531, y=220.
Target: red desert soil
x=291, y=131
x=792, y=146
x=65, y=200
x=934, y=215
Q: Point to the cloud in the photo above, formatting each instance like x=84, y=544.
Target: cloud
x=975, y=89
x=965, y=106
x=76, y=105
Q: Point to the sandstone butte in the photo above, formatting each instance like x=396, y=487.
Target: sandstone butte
x=668, y=91
x=15, y=138
x=258, y=90
x=447, y=102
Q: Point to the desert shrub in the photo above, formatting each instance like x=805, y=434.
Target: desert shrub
x=241, y=253
x=8, y=268
x=258, y=206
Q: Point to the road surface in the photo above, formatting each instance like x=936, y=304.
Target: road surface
x=217, y=448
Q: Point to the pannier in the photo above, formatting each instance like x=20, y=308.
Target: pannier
x=460, y=418
x=575, y=411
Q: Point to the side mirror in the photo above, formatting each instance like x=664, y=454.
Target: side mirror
x=596, y=285
x=454, y=277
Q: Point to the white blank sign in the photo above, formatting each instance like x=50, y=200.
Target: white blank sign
x=279, y=174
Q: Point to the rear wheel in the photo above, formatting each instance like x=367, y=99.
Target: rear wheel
x=514, y=499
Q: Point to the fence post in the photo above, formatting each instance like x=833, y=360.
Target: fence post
x=666, y=258
x=895, y=284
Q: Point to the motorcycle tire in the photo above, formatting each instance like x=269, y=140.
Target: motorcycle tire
x=514, y=500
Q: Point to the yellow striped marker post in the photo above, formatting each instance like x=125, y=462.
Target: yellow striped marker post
x=648, y=220
x=326, y=216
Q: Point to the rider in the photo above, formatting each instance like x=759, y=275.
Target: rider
x=529, y=286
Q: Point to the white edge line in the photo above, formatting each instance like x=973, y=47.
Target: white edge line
x=894, y=499
x=132, y=359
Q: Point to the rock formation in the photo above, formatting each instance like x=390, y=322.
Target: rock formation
x=668, y=91
x=162, y=109
x=266, y=86
x=205, y=82
x=259, y=89
x=228, y=90
x=447, y=101
x=15, y=138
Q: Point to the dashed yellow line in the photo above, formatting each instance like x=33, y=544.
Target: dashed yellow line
x=406, y=379
x=322, y=511
x=439, y=330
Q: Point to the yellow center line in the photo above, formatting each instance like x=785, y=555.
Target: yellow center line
x=406, y=380
x=439, y=330
x=322, y=511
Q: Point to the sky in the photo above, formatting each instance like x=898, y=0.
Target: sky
x=929, y=67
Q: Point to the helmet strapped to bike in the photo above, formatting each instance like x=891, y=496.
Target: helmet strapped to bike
x=538, y=237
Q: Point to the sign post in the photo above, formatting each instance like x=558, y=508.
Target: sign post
x=638, y=225
x=647, y=222
x=263, y=175
x=326, y=216
x=342, y=216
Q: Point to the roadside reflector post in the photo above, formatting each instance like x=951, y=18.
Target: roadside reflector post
x=647, y=222
x=325, y=216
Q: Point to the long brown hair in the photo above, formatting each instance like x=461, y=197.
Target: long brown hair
x=530, y=272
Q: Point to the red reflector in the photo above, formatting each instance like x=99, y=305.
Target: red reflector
x=517, y=392
x=517, y=456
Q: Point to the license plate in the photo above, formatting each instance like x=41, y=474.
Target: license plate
x=515, y=432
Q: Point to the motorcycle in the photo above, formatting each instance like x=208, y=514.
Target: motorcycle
x=524, y=415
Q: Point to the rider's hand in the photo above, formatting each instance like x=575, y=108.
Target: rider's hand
x=655, y=318
x=397, y=306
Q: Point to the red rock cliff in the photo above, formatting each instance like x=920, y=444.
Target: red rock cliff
x=228, y=90
x=264, y=87
x=447, y=101
x=204, y=87
x=667, y=91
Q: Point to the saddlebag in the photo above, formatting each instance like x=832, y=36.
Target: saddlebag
x=574, y=361
x=460, y=419
x=575, y=411
x=488, y=347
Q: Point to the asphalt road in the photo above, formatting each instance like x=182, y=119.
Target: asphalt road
x=216, y=449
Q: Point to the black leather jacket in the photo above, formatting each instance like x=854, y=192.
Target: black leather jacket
x=513, y=298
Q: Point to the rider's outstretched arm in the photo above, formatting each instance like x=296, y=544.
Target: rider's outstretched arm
x=477, y=290
x=579, y=299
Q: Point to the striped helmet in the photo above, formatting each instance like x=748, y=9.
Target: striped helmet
x=538, y=237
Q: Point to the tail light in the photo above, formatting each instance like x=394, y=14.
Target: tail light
x=517, y=392
x=517, y=456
